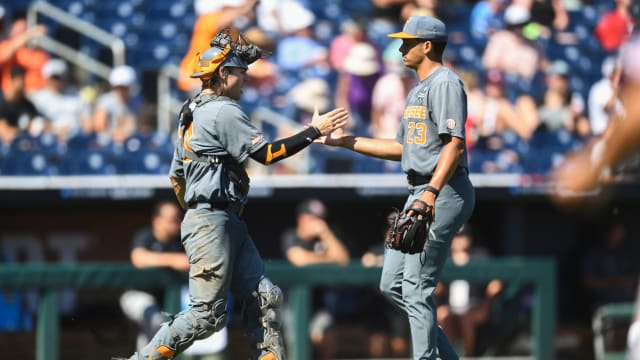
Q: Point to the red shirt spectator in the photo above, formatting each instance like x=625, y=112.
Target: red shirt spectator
x=15, y=52
x=615, y=26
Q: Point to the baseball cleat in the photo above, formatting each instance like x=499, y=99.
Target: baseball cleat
x=268, y=356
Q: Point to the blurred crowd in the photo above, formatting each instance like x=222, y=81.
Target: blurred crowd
x=541, y=77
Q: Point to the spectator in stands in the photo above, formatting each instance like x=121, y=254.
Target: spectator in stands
x=213, y=15
x=155, y=246
x=114, y=115
x=548, y=16
x=586, y=169
x=421, y=8
x=351, y=32
x=486, y=18
x=263, y=73
x=389, y=96
x=158, y=245
x=510, y=51
x=64, y=111
x=15, y=52
x=17, y=113
x=298, y=52
x=609, y=270
x=270, y=14
x=313, y=242
x=389, y=8
x=464, y=306
x=491, y=119
x=494, y=113
x=603, y=101
x=361, y=69
x=615, y=27
x=306, y=96
x=560, y=108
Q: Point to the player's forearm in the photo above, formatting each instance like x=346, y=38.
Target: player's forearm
x=142, y=258
x=387, y=149
x=284, y=148
x=450, y=157
x=336, y=251
x=310, y=258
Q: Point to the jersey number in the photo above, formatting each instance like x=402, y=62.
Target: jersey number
x=417, y=133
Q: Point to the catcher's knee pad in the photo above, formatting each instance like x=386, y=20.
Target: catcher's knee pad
x=269, y=299
x=198, y=322
x=210, y=318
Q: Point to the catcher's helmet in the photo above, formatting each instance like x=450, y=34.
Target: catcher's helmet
x=225, y=52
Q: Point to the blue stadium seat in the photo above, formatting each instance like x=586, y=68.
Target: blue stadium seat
x=27, y=163
x=14, y=315
x=87, y=162
x=144, y=161
x=28, y=155
x=87, y=154
x=145, y=154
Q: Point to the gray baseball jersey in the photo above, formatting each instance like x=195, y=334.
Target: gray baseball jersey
x=434, y=107
x=219, y=127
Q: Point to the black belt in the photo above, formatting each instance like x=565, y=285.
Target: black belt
x=415, y=179
x=236, y=207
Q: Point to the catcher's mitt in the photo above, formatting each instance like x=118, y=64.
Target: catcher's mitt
x=409, y=233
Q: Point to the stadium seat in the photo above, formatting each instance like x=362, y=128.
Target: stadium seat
x=87, y=162
x=29, y=155
x=145, y=154
x=27, y=163
x=13, y=313
x=143, y=161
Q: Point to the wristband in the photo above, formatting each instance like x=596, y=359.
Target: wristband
x=318, y=133
x=432, y=190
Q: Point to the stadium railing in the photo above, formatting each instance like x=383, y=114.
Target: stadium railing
x=51, y=278
x=83, y=28
x=607, y=313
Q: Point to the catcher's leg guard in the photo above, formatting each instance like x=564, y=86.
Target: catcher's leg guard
x=267, y=303
x=198, y=322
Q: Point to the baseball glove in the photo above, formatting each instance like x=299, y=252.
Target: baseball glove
x=409, y=233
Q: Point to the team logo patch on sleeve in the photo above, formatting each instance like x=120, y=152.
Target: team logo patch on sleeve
x=451, y=124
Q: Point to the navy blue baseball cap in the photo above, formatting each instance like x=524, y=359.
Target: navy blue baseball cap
x=422, y=27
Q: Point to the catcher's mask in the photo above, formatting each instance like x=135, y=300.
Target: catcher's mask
x=225, y=52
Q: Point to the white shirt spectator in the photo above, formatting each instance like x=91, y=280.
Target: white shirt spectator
x=599, y=95
x=64, y=110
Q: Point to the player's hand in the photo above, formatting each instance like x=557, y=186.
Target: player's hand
x=329, y=122
x=576, y=182
x=336, y=138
